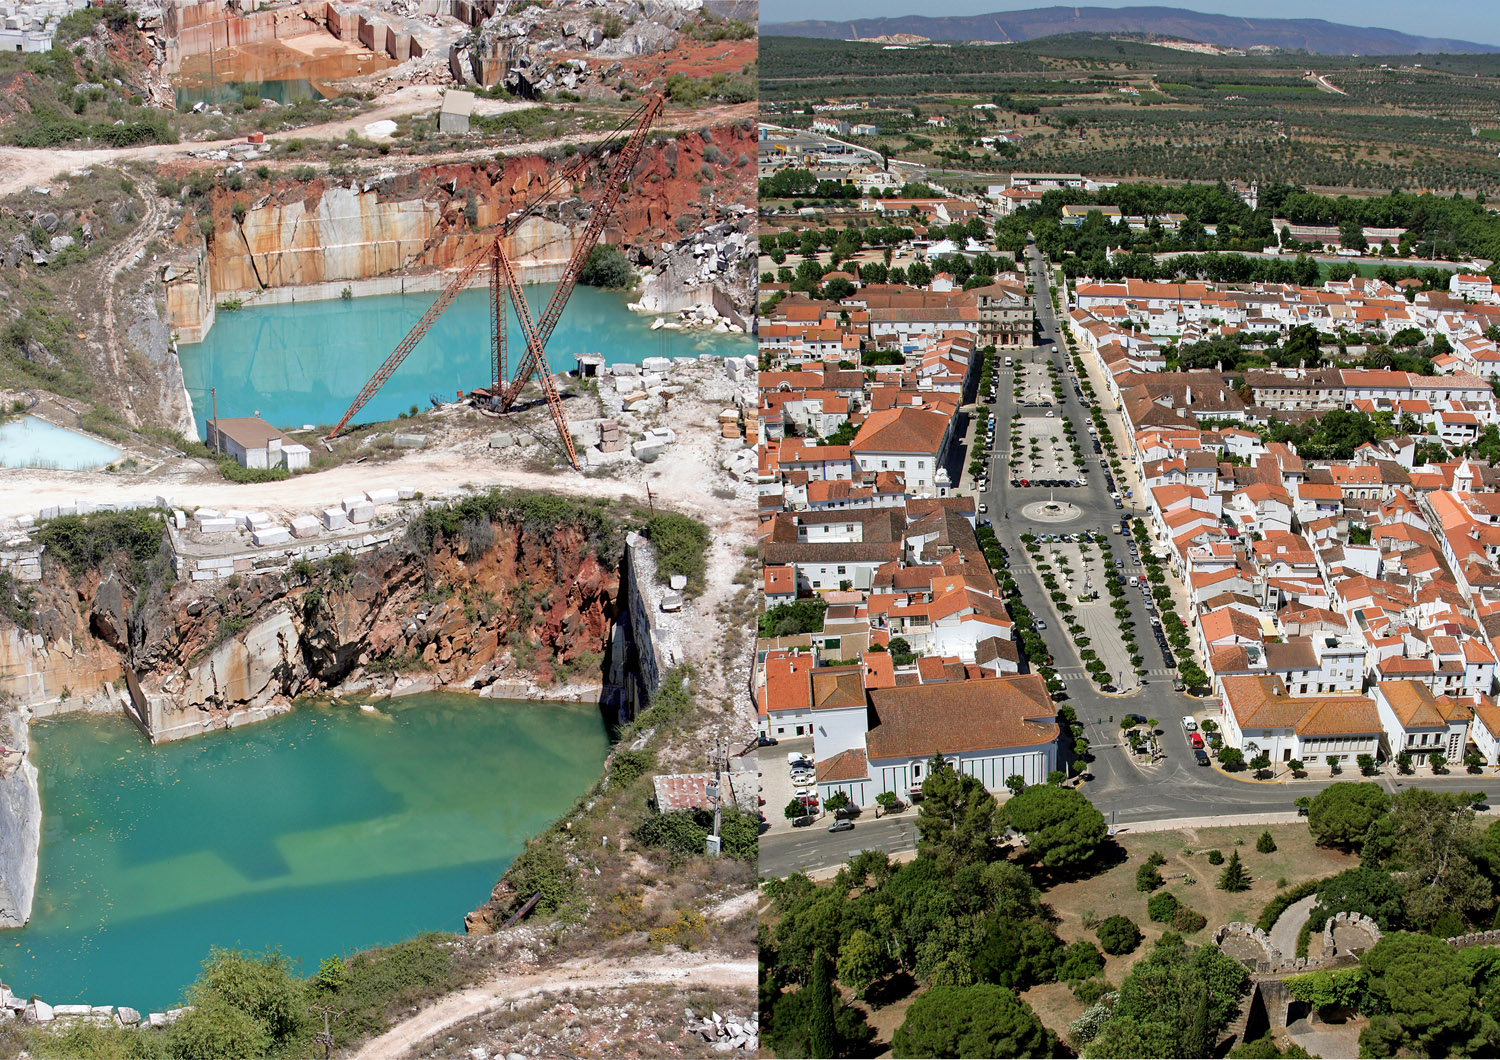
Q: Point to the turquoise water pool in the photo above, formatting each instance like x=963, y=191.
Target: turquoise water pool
x=282, y=90
x=31, y=442
x=321, y=832
x=305, y=362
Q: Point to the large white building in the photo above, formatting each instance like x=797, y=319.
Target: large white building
x=1259, y=716
x=992, y=729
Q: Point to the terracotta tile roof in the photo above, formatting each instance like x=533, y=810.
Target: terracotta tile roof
x=903, y=430
x=846, y=765
x=1262, y=703
x=996, y=713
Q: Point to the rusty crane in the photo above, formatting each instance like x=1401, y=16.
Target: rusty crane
x=504, y=286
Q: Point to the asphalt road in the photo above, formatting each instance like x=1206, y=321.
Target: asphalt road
x=1175, y=787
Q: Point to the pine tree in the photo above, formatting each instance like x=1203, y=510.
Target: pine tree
x=1266, y=844
x=1234, y=877
x=822, y=1035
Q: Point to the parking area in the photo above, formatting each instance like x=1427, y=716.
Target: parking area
x=1043, y=453
x=776, y=787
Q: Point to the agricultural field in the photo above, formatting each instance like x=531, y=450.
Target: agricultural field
x=1125, y=108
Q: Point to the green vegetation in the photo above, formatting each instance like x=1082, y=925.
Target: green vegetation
x=721, y=88
x=1086, y=103
x=681, y=546
x=132, y=541
x=1062, y=828
x=541, y=515
x=1119, y=934
x=607, y=267
x=235, y=471
x=1174, y=1002
x=684, y=832
x=255, y=1006
x=788, y=620
x=979, y=1020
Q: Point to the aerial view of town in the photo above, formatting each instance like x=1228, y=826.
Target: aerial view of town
x=377, y=553
x=1129, y=523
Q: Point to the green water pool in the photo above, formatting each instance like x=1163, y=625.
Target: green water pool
x=303, y=363
x=324, y=831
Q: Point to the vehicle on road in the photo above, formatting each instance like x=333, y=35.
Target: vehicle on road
x=841, y=825
x=1196, y=739
x=803, y=822
x=766, y=741
x=1049, y=414
x=1041, y=624
x=1201, y=756
x=1189, y=723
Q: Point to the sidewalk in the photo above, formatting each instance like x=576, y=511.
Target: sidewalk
x=1225, y=821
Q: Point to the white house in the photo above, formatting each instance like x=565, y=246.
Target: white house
x=1419, y=723
x=1259, y=716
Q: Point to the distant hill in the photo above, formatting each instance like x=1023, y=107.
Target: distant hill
x=1307, y=34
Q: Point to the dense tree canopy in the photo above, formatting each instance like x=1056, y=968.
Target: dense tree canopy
x=1419, y=996
x=1063, y=829
x=956, y=820
x=1370, y=891
x=1427, y=838
x=1174, y=1002
x=1342, y=813
x=971, y=1021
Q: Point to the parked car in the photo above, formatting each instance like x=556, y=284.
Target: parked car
x=766, y=741
x=1201, y=756
x=1040, y=624
x=1196, y=739
x=841, y=825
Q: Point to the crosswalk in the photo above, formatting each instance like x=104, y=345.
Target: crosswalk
x=1077, y=673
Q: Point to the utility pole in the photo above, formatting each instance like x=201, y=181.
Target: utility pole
x=325, y=1036
x=716, y=794
x=650, y=501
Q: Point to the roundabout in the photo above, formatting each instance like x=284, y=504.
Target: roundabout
x=1051, y=511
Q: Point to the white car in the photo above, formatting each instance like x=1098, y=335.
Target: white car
x=1049, y=414
x=984, y=509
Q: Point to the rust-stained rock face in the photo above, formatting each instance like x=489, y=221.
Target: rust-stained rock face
x=527, y=606
x=421, y=221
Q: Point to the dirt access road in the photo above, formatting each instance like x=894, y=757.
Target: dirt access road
x=404, y=1038
x=23, y=167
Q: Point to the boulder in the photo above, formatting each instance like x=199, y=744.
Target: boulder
x=39, y=1012
x=129, y=1016
x=335, y=518
x=270, y=535
x=385, y=496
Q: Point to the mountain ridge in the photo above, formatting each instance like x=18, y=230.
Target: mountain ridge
x=1292, y=34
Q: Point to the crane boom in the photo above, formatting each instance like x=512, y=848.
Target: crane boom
x=534, y=351
x=603, y=208
x=502, y=276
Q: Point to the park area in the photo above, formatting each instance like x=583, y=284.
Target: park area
x=1023, y=929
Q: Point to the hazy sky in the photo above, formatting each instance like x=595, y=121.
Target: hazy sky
x=1475, y=20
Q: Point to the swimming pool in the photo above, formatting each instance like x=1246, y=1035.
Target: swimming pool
x=32, y=442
